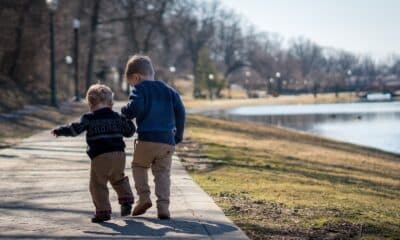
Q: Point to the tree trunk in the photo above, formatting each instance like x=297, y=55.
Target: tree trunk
x=18, y=40
x=92, y=44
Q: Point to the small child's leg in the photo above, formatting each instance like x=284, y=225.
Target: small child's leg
x=143, y=156
x=143, y=190
x=162, y=177
x=140, y=176
x=98, y=188
x=120, y=182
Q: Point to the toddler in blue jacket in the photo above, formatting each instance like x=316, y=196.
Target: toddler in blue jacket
x=160, y=120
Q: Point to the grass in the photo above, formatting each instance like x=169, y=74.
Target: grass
x=22, y=124
x=276, y=183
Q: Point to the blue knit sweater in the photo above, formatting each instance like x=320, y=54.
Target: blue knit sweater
x=159, y=112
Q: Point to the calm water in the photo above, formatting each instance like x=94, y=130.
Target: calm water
x=370, y=124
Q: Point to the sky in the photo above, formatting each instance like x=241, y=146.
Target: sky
x=360, y=26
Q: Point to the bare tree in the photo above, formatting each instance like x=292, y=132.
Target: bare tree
x=197, y=28
x=308, y=54
x=94, y=22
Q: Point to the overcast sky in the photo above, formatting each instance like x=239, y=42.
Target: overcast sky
x=361, y=26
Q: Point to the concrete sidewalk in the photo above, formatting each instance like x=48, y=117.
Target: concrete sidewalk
x=44, y=194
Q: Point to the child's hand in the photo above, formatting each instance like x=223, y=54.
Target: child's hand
x=53, y=132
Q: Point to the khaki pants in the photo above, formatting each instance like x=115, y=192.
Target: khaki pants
x=158, y=157
x=109, y=167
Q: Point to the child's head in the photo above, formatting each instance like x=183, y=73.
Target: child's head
x=139, y=68
x=99, y=96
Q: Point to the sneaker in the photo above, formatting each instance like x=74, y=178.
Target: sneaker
x=126, y=209
x=141, y=208
x=100, y=219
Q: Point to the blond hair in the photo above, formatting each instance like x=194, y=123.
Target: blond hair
x=139, y=64
x=99, y=93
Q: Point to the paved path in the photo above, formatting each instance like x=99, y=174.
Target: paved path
x=44, y=194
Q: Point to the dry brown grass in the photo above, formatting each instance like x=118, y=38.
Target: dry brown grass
x=197, y=104
x=21, y=125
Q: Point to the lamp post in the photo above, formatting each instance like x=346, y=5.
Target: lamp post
x=271, y=86
x=247, y=74
x=279, y=83
x=52, y=6
x=349, y=73
x=305, y=87
x=68, y=60
x=210, y=79
x=150, y=7
x=76, y=25
x=284, y=85
x=172, y=70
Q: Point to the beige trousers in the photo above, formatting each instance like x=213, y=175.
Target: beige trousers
x=158, y=157
x=109, y=167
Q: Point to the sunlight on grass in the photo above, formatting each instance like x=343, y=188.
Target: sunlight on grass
x=267, y=178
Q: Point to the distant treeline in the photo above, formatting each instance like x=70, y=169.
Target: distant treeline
x=200, y=40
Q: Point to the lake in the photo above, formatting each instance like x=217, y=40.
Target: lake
x=369, y=124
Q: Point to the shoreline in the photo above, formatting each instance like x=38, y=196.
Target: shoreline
x=219, y=112
x=369, y=149
x=327, y=138
x=199, y=105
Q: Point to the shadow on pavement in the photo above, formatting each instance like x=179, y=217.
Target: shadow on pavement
x=160, y=228
x=25, y=206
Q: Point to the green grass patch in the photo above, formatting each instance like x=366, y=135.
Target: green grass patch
x=275, y=183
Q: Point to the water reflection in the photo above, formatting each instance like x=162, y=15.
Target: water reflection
x=369, y=124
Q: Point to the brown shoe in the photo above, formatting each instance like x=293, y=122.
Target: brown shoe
x=141, y=208
x=100, y=219
x=164, y=216
x=163, y=213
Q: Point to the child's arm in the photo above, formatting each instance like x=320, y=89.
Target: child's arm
x=179, y=110
x=128, y=128
x=135, y=105
x=73, y=129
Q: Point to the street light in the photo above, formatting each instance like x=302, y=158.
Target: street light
x=68, y=60
x=349, y=73
x=150, y=7
x=76, y=25
x=247, y=81
x=348, y=79
x=52, y=6
x=210, y=78
x=278, y=79
x=172, y=70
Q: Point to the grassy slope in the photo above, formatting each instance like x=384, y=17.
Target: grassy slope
x=278, y=183
x=12, y=130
